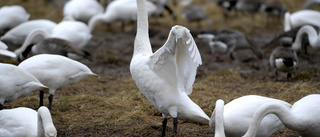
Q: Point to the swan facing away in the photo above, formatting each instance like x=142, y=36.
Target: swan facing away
x=302, y=117
x=26, y=122
x=166, y=77
x=235, y=117
x=12, y=16
x=16, y=82
x=283, y=59
x=55, y=71
x=313, y=38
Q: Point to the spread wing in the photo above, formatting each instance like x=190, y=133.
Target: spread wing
x=177, y=60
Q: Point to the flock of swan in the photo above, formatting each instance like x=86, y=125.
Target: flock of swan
x=165, y=77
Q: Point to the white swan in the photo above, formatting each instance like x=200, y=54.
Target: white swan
x=82, y=10
x=313, y=37
x=238, y=114
x=283, y=59
x=26, y=122
x=12, y=16
x=4, y=50
x=166, y=76
x=120, y=10
x=303, y=116
x=300, y=18
x=17, y=35
x=55, y=71
x=16, y=82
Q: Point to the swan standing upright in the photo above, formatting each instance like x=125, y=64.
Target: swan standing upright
x=16, y=82
x=26, y=122
x=55, y=71
x=303, y=116
x=166, y=77
x=238, y=114
x=12, y=16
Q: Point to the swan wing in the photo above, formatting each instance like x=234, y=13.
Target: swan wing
x=177, y=60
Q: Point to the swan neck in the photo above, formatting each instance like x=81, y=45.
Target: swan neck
x=31, y=36
x=287, y=21
x=142, y=42
x=312, y=37
x=94, y=20
x=219, y=119
x=45, y=124
x=282, y=111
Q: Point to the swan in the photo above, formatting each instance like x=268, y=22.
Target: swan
x=313, y=38
x=300, y=18
x=12, y=16
x=283, y=59
x=16, y=36
x=82, y=10
x=120, y=10
x=16, y=82
x=166, y=77
x=217, y=119
x=55, y=71
x=4, y=51
x=303, y=116
x=238, y=114
x=49, y=45
x=26, y=122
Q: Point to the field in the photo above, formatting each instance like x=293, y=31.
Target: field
x=114, y=106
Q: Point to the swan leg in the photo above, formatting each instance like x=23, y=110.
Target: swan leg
x=41, y=98
x=289, y=75
x=1, y=106
x=175, y=125
x=50, y=101
x=275, y=75
x=164, y=126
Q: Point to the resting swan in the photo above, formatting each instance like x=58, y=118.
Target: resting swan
x=302, y=117
x=300, y=18
x=166, y=76
x=12, y=16
x=238, y=114
x=55, y=71
x=25, y=122
x=82, y=10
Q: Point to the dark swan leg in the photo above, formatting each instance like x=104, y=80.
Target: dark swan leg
x=275, y=75
x=1, y=106
x=164, y=127
x=41, y=98
x=175, y=125
x=289, y=75
x=50, y=101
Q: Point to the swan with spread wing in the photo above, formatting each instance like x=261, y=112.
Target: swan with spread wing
x=166, y=76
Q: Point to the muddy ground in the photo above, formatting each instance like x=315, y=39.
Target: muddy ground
x=113, y=105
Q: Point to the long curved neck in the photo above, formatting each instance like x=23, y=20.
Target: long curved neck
x=282, y=111
x=287, y=21
x=312, y=37
x=31, y=36
x=219, y=119
x=142, y=43
x=45, y=124
x=94, y=20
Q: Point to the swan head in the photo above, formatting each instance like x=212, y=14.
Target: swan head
x=50, y=131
